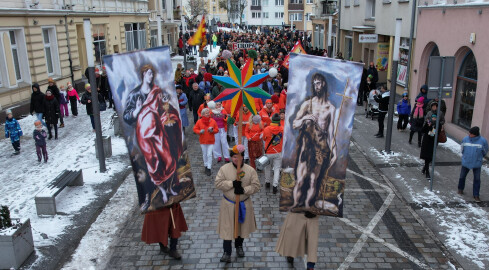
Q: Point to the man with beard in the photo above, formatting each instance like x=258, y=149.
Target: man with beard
x=316, y=149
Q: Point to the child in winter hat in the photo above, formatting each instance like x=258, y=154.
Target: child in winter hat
x=13, y=131
x=39, y=136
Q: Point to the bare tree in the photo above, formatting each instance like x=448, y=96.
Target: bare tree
x=234, y=8
x=196, y=8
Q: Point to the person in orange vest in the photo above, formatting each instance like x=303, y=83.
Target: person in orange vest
x=267, y=112
x=221, y=147
x=273, y=138
x=254, y=133
x=246, y=117
x=206, y=127
x=282, y=118
x=202, y=106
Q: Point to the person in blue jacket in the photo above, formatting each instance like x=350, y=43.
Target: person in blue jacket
x=474, y=149
x=13, y=131
x=403, y=110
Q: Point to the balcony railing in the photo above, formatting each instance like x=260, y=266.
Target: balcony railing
x=324, y=9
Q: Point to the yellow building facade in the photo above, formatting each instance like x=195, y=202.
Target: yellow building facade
x=47, y=40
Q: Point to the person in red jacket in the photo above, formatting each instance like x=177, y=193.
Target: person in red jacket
x=206, y=127
x=254, y=131
x=273, y=137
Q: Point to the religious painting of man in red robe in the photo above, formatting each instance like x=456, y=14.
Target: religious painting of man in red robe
x=146, y=100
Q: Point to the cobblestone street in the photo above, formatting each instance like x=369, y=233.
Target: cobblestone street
x=378, y=229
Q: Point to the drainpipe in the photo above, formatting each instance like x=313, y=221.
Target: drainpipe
x=69, y=49
x=338, y=30
x=411, y=34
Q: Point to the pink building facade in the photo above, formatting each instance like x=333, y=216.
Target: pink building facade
x=461, y=30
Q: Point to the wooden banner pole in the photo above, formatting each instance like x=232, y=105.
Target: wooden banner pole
x=172, y=219
x=236, y=202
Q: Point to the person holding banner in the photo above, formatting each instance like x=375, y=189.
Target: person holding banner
x=299, y=236
x=163, y=223
x=245, y=187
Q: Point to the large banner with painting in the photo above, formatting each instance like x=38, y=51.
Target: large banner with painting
x=144, y=95
x=321, y=102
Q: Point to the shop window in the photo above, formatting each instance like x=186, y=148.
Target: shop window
x=466, y=92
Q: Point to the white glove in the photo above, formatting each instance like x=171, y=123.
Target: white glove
x=202, y=131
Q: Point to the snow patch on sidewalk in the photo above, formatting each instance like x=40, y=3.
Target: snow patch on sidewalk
x=97, y=243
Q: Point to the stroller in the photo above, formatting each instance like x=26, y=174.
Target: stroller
x=372, y=105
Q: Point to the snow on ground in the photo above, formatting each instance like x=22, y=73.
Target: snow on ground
x=23, y=176
x=95, y=247
x=469, y=239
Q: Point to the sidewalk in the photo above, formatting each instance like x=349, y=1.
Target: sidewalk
x=457, y=221
x=378, y=229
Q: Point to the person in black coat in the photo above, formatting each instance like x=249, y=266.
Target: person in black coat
x=87, y=101
x=51, y=114
x=363, y=90
x=383, y=99
x=55, y=91
x=429, y=131
x=37, y=103
x=372, y=70
x=196, y=98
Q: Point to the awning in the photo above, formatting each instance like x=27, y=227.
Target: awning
x=363, y=28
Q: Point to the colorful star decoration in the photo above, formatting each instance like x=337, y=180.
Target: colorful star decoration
x=242, y=87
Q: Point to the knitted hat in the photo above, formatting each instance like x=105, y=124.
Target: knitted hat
x=276, y=118
x=405, y=94
x=68, y=84
x=370, y=76
x=275, y=99
x=37, y=123
x=207, y=77
x=475, y=131
x=48, y=90
x=50, y=80
x=433, y=116
x=268, y=101
x=211, y=104
x=237, y=149
x=178, y=86
x=87, y=85
x=420, y=99
x=256, y=119
x=8, y=111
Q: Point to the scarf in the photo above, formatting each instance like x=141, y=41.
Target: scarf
x=418, y=110
x=49, y=97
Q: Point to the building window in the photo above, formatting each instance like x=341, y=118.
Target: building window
x=347, y=3
x=256, y=2
x=135, y=36
x=13, y=56
x=466, y=92
x=310, y=1
x=51, y=50
x=255, y=15
x=279, y=15
x=163, y=4
x=308, y=16
x=214, y=9
x=99, y=42
x=370, y=9
x=153, y=38
x=295, y=17
x=265, y=15
x=296, y=1
x=264, y=3
x=279, y=2
x=356, y=2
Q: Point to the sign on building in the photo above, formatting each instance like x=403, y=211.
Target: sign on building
x=368, y=38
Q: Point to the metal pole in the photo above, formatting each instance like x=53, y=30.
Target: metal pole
x=411, y=35
x=437, y=122
x=160, y=40
x=338, y=30
x=392, y=97
x=330, y=36
x=95, y=105
x=184, y=44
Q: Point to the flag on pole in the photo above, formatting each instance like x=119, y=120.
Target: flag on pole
x=199, y=37
x=296, y=49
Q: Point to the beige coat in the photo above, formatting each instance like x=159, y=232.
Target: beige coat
x=251, y=185
x=298, y=236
